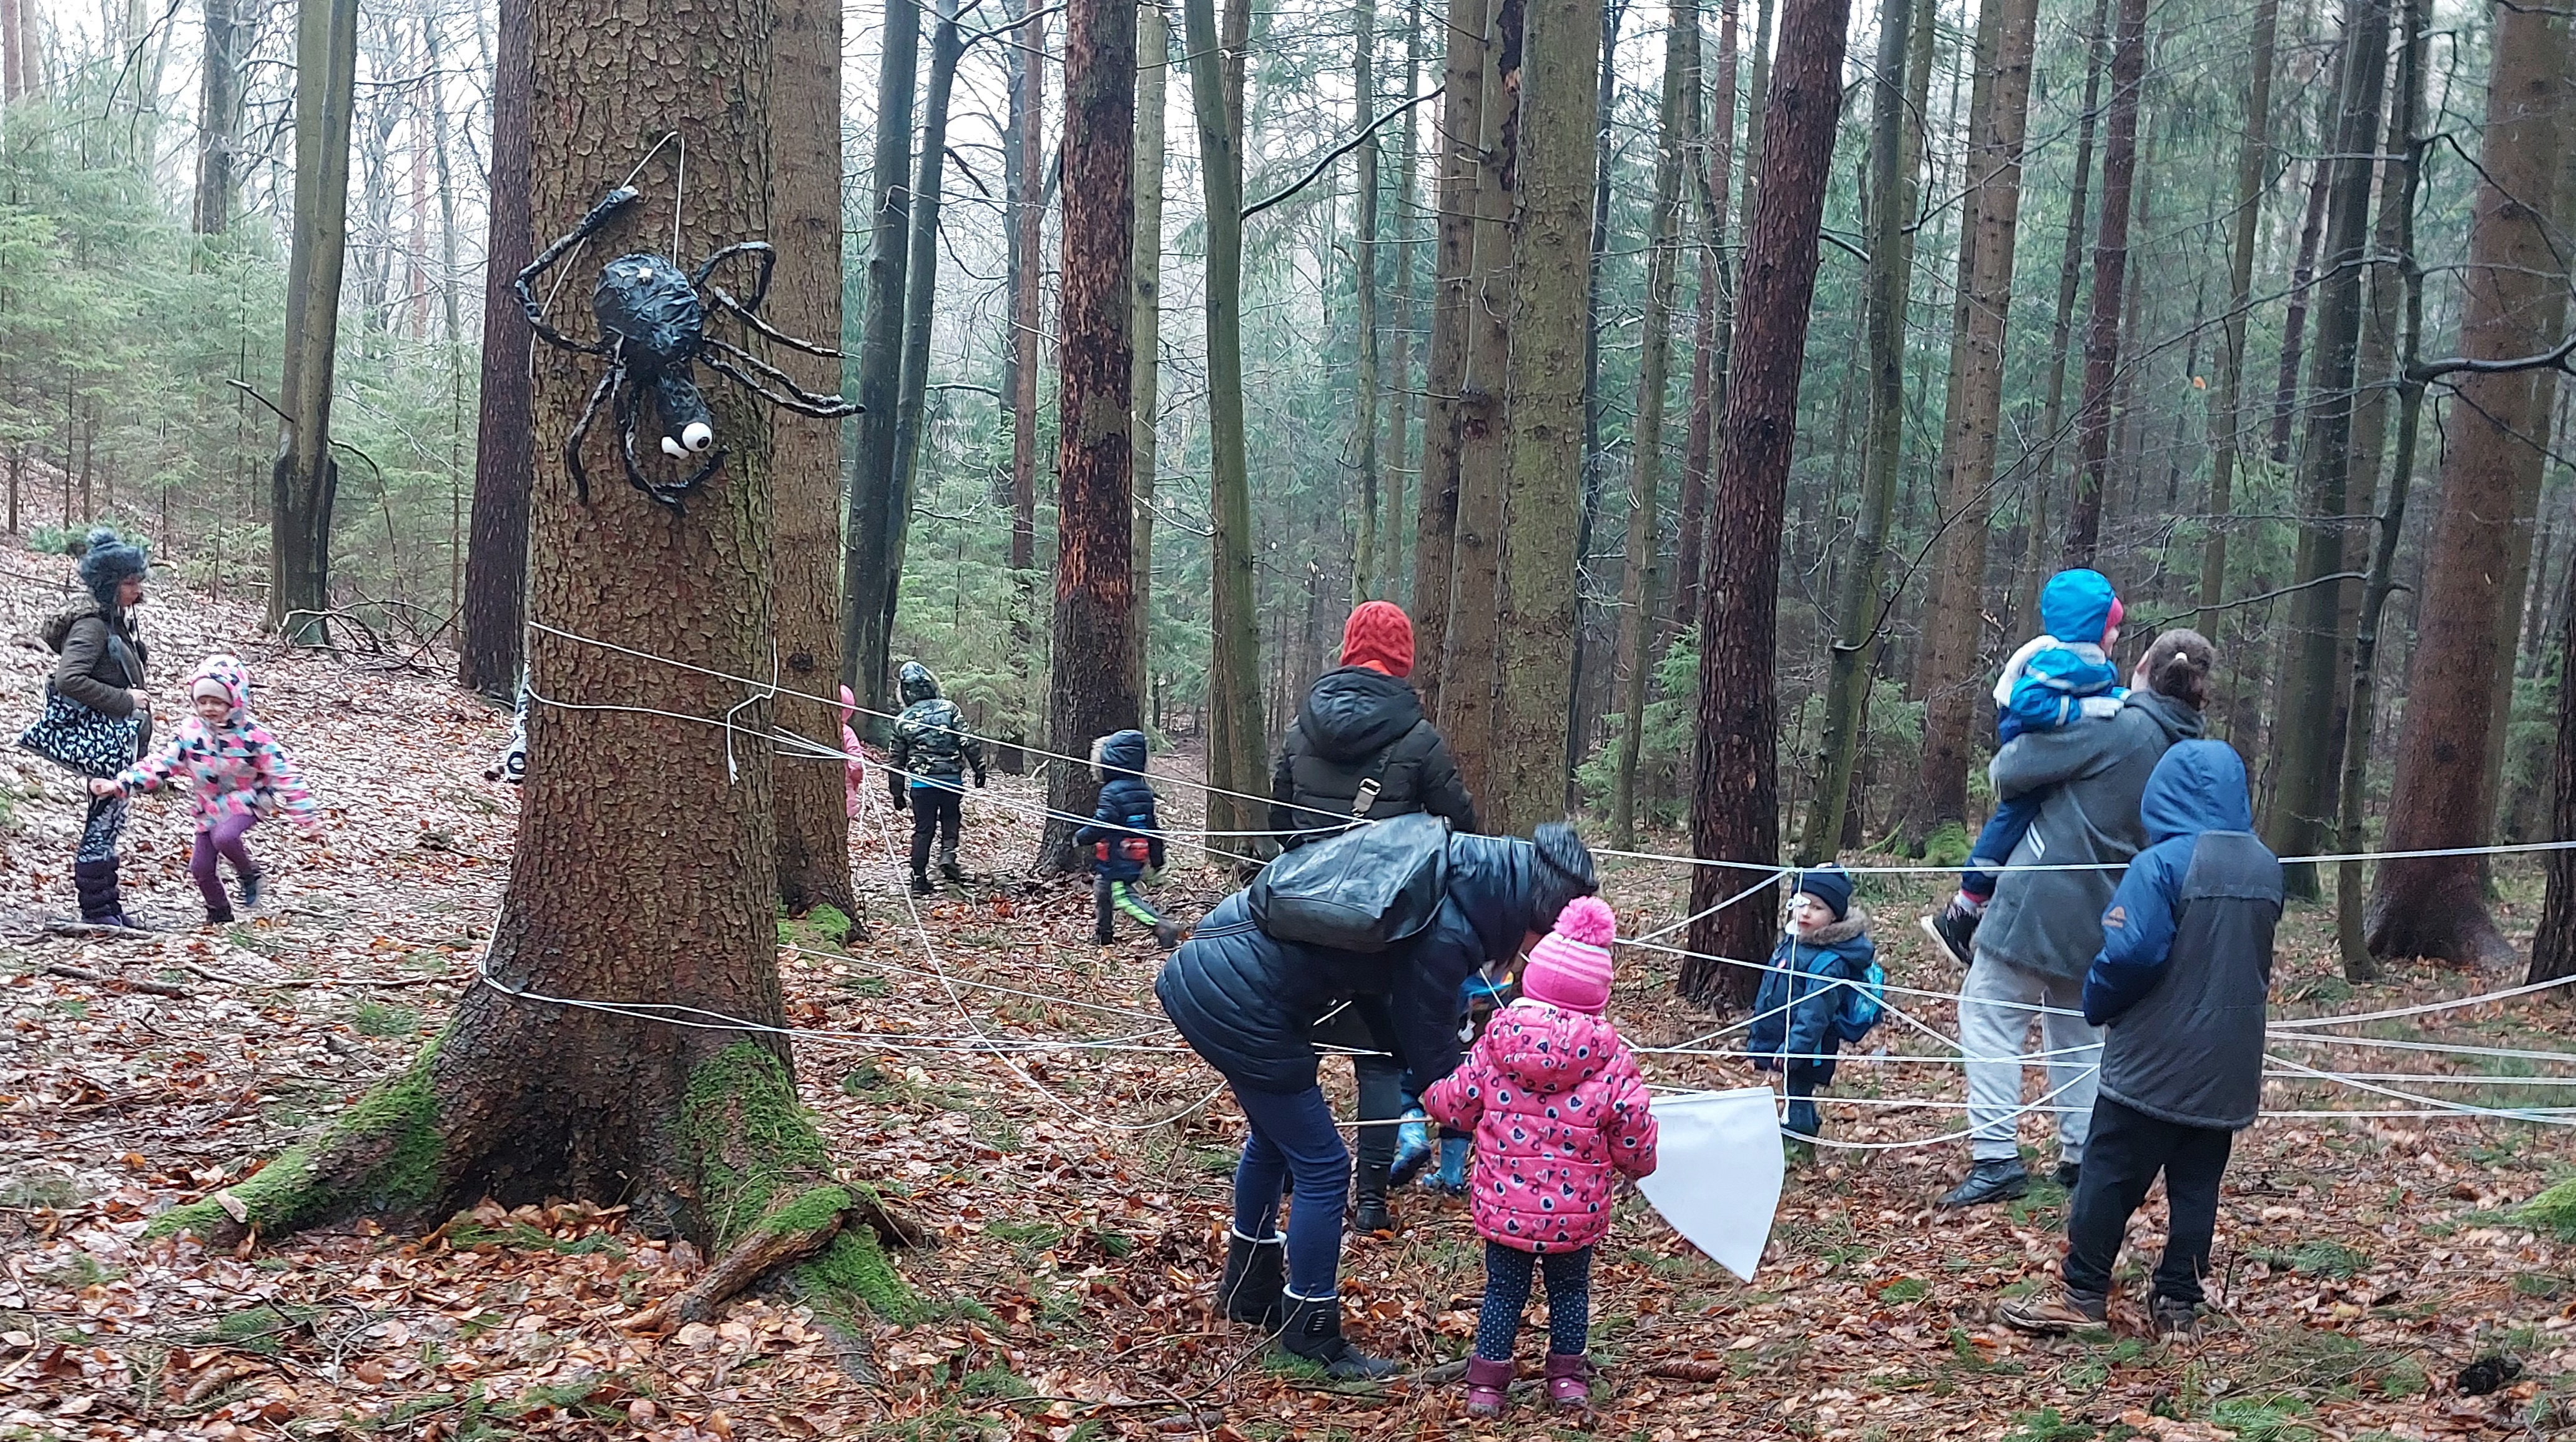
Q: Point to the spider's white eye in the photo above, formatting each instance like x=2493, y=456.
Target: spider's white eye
x=672, y=449
x=697, y=435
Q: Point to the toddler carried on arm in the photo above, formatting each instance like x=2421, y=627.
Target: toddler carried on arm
x=2062, y=677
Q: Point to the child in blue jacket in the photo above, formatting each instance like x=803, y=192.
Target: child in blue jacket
x=1124, y=839
x=1804, y=1011
x=2058, y=678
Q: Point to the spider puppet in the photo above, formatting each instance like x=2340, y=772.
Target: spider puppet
x=653, y=328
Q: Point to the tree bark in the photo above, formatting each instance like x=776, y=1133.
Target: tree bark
x=13, y=49
x=2110, y=284
x=1400, y=392
x=493, y=645
x=1465, y=78
x=1542, y=487
x=219, y=110
x=2396, y=238
x=1027, y=152
x=1088, y=689
x=1711, y=322
x=2309, y=739
x=1364, y=318
x=1470, y=676
x=1235, y=732
x=920, y=294
x=1153, y=87
x=1859, y=602
x=813, y=819
x=2070, y=269
x=1644, y=559
x=865, y=582
x=1735, y=814
x=1588, y=517
x=2460, y=684
x=2294, y=329
x=306, y=479
x=2553, y=945
x=643, y=875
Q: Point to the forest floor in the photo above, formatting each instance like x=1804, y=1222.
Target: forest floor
x=2364, y=1262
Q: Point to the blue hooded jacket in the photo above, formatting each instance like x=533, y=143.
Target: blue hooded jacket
x=1123, y=835
x=2186, y=960
x=2055, y=680
x=1794, y=1010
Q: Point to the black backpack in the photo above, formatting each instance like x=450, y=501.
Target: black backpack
x=1365, y=890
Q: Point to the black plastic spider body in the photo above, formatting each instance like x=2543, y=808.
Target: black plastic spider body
x=653, y=330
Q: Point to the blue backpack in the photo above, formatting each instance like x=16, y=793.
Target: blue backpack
x=1863, y=1002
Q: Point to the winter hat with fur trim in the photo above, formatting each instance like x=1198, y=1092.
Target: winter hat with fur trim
x=1570, y=966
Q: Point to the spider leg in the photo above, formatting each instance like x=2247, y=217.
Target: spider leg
x=627, y=416
x=797, y=398
x=724, y=300
x=760, y=287
x=599, y=395
x=525, y=281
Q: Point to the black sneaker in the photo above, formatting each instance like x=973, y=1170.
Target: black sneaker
x=952, y=871
x=2176, y=1320
x=1998, y=1180
x=1954, y=929
x=921, y=884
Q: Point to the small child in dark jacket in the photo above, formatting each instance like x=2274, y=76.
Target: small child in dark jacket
x=1799, y=1014
x=1124, y=838
x=2181, y=983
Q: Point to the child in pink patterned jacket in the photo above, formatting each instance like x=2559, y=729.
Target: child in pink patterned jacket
x=235, y=772
x=1559, y=1112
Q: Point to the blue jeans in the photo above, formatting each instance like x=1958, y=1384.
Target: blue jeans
x=2004, y=831
x=1294, y=1141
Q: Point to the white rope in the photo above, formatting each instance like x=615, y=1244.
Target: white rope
x=2427, y=1008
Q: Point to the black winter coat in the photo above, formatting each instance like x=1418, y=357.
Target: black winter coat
x=1356, y=724
x=1247, y=1001
x=1122, y=835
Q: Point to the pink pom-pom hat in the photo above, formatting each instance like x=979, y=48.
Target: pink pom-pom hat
x=1570, y=967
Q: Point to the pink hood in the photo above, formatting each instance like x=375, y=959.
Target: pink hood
x=1559, y=1114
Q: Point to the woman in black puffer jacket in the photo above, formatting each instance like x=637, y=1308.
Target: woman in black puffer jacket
x=1246, y=1002
x=101, y=666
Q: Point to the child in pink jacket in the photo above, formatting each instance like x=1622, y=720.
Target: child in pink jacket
x=235, y=771
x=1559, y=1113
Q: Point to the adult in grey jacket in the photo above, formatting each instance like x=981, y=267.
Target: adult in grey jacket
x=2182, y=983
x=2043, y=927
x=99, y=664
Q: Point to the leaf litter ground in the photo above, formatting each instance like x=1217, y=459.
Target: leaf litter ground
x=2364, y=1265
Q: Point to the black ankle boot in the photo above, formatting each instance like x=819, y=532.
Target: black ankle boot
x=1313, y=1330
x=1254, y=1274
x=100, y=902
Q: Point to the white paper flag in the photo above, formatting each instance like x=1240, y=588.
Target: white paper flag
x=1717, y=1172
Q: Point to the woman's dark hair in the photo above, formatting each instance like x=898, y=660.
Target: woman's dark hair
x=2178, y=666
x=1562, y=873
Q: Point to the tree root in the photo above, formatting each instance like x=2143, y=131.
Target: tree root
x=758, y=1253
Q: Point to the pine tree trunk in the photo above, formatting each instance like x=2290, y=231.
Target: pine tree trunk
x=1027, y=142
x=306, y=478
x=2396, y=238
x=2309, y=740
x=1235, y=731
x=2553, y=945
x=1470, y=681
x=1153, y=87
x=1735, y=814
x=805, y=476
x=13, y=48
x=218, y=112
x=1364, y=381
x=1542, y=492
x=1858, y=599
x=1470, y=56
x=644, y=847
x=1644, y=558
x=1588, y=517
x=1089, y=693
x=493, y=646
x=2461, y=683
x=2070, y=264
x=2110, y=284
x=866, y=584
x=2227, y=422
x=1709, y=323
x=2294, y=329
x=1399, y=378
x=920, y=295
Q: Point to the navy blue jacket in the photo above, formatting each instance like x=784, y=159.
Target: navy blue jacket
x=2185, y=969
x=1245, y=1000
x=1793, y=1012
x=1123, y=823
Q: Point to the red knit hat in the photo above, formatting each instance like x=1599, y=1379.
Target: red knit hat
x=1570, y=966
x=1379, y=636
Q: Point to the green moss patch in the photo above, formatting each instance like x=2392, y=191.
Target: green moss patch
x=395, y=1127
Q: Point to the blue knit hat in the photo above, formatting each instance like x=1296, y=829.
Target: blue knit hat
x=108, y=563
x=1829, y=884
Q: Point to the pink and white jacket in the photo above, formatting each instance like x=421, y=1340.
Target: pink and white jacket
x=854, y=762
x=1558, y=1108
x=234, y=767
